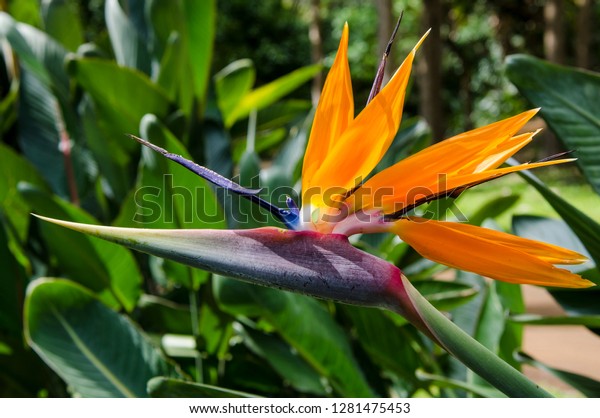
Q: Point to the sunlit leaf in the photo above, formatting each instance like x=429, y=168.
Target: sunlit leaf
x=269, y=93
x=63, y=22
x=200, y=29
x=107, y=269
x=232, y=83
x=568, y=98
x=127, y=42
x=161, y=387
x=98, y=352
x=304, y=324
x=285, y=361
x=589, y=387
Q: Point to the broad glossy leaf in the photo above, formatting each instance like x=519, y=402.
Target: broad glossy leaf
x=110, y=270
x=122, y=95
x=483, y=318
x=569, y=101
x=200, y=30
x=170, y=47
x=589, y=387
x=12, y=286
x=38, y=53
x=170, y=74
x=162, y=316
x=511, y=297
x=285, y=361
x=232, y=83
x=305, y=325
x=445, y=382
x=63, y=23
x=555, y=231
x=166, y=17
x=44, y=104
x=445, y=295
x=98, y=352
x=162, y=387
x=41, y=126
x=14, y=169
x=271, y=92
x=388, y=344
x=592, y=321
x=128, y=43
x=110, y=151
x=493, y=208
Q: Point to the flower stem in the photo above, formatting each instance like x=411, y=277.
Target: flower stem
x=465, y=348
x=196, y=334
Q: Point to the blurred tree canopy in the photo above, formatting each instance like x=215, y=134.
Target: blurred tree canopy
x=474, y=37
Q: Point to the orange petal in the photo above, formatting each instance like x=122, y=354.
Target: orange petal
x=492, y=254
x=471, y=152
x=366, y=139
x=334, y=112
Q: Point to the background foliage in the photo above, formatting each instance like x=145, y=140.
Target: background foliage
x=227, y=85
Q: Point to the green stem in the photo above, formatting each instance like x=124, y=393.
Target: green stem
x=466, y=349
x=196, y=333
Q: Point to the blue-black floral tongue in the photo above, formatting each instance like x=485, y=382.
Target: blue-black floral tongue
x=289, y=217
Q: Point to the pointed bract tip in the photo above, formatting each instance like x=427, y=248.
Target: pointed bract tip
x=418, y=45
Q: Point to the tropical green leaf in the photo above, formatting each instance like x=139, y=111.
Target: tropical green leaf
x=200, y=30
x=569, y=101
x=159, y=315
x=44, y=112
x=443, y=381
x=445, y=295
x=172, y=64
x=12, y=283
x=40, y=129
x=110, y=151
x=110, y=270
x=128, y=43
x=592, y=321
x=285, y=361
x=589, y=387
x=41, y=55
x=388, y=344
x=162, y=387
x=98, y=352
x=63, y=23
x=232, y=83
x=170, y=47
x=555, y=231
x=271, y=92
x=14, y=169
x=305, y=325
x=493, y=208
x=122, y=95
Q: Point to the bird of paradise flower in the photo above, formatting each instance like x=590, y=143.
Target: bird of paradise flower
x=313, y=256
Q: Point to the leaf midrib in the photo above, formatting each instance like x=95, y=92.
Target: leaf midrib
x=79, y=343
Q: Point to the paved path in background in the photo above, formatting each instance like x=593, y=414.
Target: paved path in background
x=570, y=348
